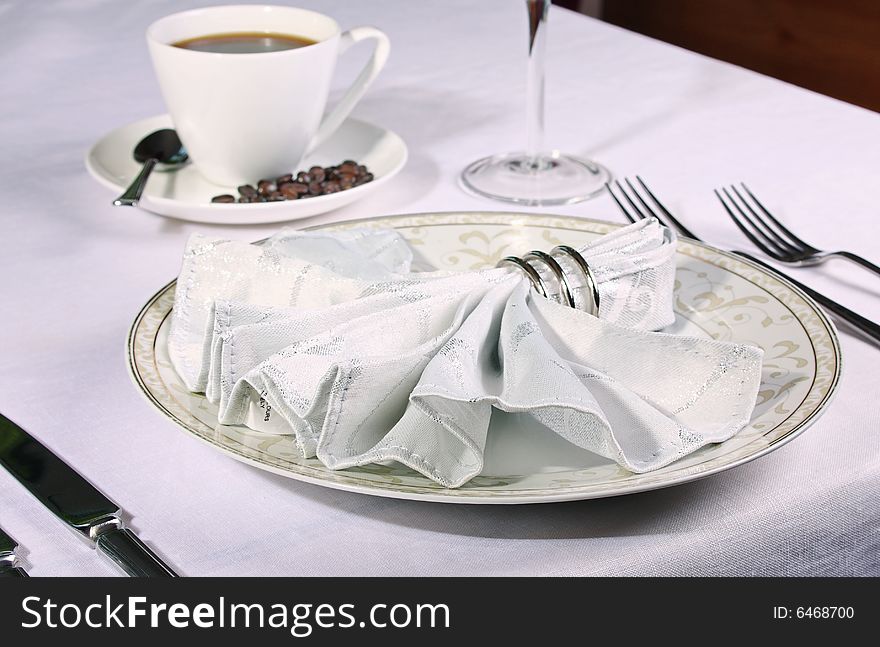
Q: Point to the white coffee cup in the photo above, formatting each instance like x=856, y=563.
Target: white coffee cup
x=243, y=117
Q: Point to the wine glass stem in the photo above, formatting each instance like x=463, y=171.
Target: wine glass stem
x=535, y=80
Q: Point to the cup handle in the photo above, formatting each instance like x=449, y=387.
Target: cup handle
x=371, y=70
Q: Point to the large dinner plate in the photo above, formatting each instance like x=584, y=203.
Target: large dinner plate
x=717, y=295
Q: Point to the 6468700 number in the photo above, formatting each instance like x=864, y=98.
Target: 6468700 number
x=824, y=613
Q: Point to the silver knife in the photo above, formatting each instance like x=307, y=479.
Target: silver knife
x=76, y=502
x=8, y=560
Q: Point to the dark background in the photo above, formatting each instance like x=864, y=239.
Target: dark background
x=830, y=46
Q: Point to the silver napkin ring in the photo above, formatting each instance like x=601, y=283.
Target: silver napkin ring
x=535, y=278
x=557, y=271
x=548, y=260
x=584, y=267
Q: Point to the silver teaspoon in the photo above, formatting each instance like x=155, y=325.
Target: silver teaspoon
x=161, y=147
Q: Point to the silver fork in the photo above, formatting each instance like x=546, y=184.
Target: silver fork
x=633, y=197
x=772, y=237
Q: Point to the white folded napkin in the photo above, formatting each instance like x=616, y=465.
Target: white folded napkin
x=329, y=337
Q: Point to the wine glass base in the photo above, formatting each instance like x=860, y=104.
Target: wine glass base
x=548, y=179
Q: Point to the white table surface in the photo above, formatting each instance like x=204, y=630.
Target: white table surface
x=74, y=272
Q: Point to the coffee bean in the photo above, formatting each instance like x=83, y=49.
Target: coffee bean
x=317, y=181
x=292, y=190
x=265, y=187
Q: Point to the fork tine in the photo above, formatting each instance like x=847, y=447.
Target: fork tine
x=635, y=207
x=805, y=245
x=779, y=253
x=756, y=241
x=619, y=203
x=762, y=228
x=641, y=200
x=672, y=220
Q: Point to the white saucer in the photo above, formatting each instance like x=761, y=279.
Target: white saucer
x=183, y=193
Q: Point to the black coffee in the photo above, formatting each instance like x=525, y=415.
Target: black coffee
x=244, y=43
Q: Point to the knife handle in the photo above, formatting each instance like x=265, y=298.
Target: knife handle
x=131, y=554
x=13, y=571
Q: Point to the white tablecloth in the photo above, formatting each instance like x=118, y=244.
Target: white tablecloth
x=75, y=271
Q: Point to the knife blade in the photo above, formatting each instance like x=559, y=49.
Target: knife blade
x=8, y=560
x=75, y=501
